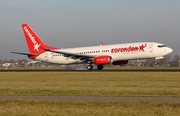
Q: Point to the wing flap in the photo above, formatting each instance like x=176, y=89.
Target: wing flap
x=73, y=55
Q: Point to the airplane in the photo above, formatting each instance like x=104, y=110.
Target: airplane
x=115, y=54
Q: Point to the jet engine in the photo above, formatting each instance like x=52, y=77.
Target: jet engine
x=103, y=60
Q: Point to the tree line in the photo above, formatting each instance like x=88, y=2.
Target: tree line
x=162, y=62
x=13, y=61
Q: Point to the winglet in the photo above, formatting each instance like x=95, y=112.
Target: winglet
x=101, y=43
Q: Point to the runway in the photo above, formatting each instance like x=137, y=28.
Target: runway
x=93, y=99
x=120, y=70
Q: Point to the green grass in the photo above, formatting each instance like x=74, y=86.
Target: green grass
x=78, y=108
x=156, y=84
x=143, y=84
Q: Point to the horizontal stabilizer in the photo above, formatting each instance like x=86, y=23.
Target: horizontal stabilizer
x=24, y=53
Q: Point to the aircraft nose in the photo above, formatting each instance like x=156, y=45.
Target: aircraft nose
x=169, y=50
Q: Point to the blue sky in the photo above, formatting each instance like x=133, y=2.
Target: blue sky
x=76, y=23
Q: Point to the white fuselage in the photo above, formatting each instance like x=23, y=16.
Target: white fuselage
x=118, y=52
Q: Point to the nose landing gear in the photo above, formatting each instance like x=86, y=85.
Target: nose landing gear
x=156, y=63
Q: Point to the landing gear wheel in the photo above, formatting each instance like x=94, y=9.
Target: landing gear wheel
x=89, y=67
x=100, y=67
x=156, y=63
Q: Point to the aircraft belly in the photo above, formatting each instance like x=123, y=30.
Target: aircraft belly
x=64, y=60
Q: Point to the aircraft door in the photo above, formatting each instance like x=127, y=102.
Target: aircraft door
x=150, y=47
x=46, y=56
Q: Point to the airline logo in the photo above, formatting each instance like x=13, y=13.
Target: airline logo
x=36, y=46
x=129, y=49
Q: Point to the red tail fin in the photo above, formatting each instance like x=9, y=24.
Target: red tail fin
x=35, y=44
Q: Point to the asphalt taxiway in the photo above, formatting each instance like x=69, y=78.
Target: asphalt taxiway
x=121, y=70
x=93, y=99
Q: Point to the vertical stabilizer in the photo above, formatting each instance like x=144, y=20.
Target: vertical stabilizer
x=35, y=44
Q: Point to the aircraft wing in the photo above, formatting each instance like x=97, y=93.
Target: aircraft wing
x=73, y=55
x=23, y=53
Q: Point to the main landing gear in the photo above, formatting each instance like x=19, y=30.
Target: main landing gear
x=100, y=67
x=90, y=67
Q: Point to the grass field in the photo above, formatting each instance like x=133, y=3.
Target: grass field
x=46, y=108
x=149, y=84
x=156, y=84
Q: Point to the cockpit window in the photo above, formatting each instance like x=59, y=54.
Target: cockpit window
x=160, y=46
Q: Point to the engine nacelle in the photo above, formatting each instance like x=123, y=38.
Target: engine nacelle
x=103, y=60
x=120, y=62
